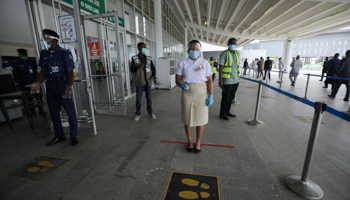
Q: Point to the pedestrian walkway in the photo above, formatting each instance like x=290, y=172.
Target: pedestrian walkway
x=128, y=161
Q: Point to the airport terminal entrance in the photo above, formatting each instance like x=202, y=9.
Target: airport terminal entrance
x=102, y=81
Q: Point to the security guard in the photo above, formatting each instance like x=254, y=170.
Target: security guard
x=229, y=76
x=25, y=70
x=213, y=68
x=57, y=67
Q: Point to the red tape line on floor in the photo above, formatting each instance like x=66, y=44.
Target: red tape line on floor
x=210, y=145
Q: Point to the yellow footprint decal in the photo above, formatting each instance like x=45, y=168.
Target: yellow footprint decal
x=191, y=194
x=42, y=163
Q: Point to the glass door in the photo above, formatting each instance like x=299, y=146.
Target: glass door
x=107, y=64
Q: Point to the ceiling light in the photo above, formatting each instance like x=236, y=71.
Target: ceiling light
x=205, y=23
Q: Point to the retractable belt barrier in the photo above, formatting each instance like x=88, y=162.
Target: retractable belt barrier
x=332, y=111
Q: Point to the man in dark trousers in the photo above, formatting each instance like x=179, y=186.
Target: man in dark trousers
x=325, y=65
x=344, y=72
x=245, y=66
x=25, y=69
x=331, y=70
x=267, y=67
x=57, y=67
x=143, y=69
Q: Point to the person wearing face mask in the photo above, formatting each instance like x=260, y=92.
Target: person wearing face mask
x=57, y=65
x=25, y=70
x=229, y=76
x=194, y=77
x=144, y=72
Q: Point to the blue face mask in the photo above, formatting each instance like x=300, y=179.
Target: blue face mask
x=193, y=54
x=144, y=51
x=44, y=43
x=231, y=47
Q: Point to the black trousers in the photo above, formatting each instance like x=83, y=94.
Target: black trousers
x=228, y=94
x=213, y=77
x=337, y=86
x=267, y=72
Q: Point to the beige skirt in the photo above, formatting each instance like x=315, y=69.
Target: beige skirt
x=193, y=103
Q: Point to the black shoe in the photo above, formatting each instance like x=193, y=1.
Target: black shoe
x=325, y=87
x=190, y=149
x=263, y=79
x=224, y=117
x=231, y=115
x=198, y=150
x=332, y=97
x=55, y=140
x=74, y=142
x=321, y=80
x=345, y=99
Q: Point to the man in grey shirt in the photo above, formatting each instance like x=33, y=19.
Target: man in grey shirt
x=294, y=72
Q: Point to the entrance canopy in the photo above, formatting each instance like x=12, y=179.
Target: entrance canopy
x=215, y=21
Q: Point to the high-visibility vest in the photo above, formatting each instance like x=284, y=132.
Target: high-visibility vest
x=227, y=68
x=213, y=69
x=97, y=66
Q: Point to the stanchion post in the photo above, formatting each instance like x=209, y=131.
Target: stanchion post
x=255, y=121
x=301, y=185
x=307, y=86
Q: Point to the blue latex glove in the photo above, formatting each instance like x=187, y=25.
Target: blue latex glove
x=210, y=100
x=184, y=86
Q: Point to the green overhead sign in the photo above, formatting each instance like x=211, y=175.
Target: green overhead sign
x=91, y=6
x=120, y=20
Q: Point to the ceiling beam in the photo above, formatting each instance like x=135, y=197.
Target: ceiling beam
x=178, y=7
x=188, y=10
x=208, y=12
x=324, y=31
x=321, y=23
x=207, y=36
x=198, y=11
x=201, y=34
x=276, y=18
x=324, y=26
x=214, y=36
x=248, y=15
x=245, y=42
x=225, y=41
x=229, y=33
x=219, y=39
x=220, y=13
x=238, y=8
x=301, y=22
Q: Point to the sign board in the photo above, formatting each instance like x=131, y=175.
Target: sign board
x=94, y=46
x=120, y=21
x=67, y=27
x=91, y=6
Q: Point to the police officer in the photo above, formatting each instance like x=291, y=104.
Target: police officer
x=57, y=67
x=25, y=70
x=213, y=68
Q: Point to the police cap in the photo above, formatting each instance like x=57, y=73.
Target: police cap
x=50, y=32
x=22, y=50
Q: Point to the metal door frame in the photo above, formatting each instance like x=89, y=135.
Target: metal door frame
x=112, y=102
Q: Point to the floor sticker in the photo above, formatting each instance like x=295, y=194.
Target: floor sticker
x=192, y=186
x=305, y=119
x=37, y=168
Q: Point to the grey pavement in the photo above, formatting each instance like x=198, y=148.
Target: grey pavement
x=126, y=160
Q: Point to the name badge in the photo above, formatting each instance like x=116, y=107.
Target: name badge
x=148, y=70
x=55, y=69
x=31, y=71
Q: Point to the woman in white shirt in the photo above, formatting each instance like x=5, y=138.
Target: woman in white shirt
x=194, y=77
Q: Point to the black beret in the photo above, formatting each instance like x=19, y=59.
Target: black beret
x=22, y=50
x=51, y=32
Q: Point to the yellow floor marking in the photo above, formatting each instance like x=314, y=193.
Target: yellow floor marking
x=33, y=169
x=205, y=194
x=310, y=119
x=205, y=186
x=190, y=182
x=302, y=118
x=44, y=163
x=188, y=195
x=43, y=170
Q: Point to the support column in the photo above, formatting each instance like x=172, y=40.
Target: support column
x=288, y=47
x=158, y=28
x=186, y=42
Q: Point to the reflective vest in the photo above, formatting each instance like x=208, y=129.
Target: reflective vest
x=213, y=69
x=97, y=66
x=227, y=68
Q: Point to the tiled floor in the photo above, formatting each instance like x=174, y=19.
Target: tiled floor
x=126, y=160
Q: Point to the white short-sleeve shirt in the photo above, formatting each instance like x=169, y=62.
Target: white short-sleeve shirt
x=194, y=71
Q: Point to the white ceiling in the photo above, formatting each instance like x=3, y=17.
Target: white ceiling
x=215, y=21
